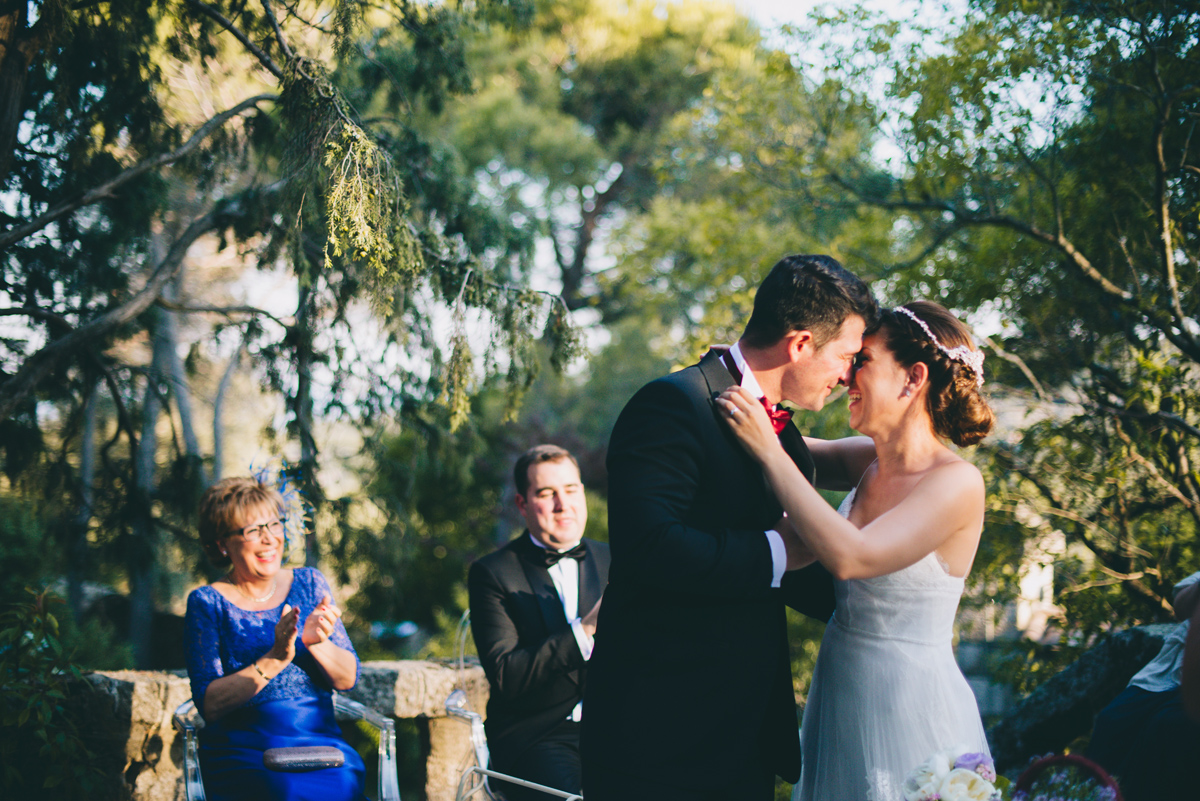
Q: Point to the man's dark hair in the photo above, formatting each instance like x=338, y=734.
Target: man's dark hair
x=807, y=293
x=536, y=455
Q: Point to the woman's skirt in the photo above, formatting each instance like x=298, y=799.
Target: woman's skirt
x=231, y=754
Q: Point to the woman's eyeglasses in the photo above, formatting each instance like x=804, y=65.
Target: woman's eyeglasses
x=259, y=533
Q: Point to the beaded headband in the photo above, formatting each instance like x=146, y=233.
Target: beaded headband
x=971, y=358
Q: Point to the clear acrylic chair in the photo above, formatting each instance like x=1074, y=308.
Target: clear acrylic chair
x=187, y=721
x=475, y=779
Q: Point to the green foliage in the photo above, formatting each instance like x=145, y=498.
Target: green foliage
x=435, y=497
x=41, y=749
x=364, y=205
x=733, y=167
x=1043, y=184
x=26, y=552
x=322, y=169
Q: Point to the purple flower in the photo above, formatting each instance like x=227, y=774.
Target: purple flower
x=978, y=763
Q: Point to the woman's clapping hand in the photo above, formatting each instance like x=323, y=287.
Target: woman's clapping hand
x=285, y=634
x=319, y=625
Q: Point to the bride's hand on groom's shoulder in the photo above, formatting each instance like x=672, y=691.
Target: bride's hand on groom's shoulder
x=749, y=421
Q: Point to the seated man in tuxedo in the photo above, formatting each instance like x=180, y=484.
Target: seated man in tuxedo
x=534, y=605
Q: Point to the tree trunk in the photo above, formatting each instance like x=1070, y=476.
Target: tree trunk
x=219, y=411
x=143, y=553
x=180, y=390
x=77, y=548
x=303, y=412
x=18, y=45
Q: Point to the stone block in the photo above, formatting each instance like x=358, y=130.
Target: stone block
x=129, y=729
x=411, y=689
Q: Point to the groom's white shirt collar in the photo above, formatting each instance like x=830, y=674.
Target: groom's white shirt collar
x=749, y=382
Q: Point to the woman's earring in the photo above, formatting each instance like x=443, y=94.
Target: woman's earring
x=907, y=391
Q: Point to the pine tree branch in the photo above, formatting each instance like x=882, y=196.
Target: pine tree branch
x=51, y=356
x=238, y=34
x=107, y=188
x=228, y=311
x=283, y=45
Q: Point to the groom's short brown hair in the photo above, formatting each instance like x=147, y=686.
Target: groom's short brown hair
x=807, y=293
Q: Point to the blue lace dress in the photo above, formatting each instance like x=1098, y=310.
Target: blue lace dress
x=294, y=709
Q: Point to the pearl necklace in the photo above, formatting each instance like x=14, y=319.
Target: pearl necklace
x=267, y=597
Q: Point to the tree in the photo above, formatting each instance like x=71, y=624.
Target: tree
x=1047, y=179
x=728, y=210
x=573, y=114
x=112, y=177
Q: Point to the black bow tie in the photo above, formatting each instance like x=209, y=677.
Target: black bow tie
x=554, y=557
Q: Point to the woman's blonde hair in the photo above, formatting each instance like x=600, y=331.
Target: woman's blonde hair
x=224, y=508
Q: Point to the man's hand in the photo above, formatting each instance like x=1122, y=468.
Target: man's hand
x=588, y=621
x=798, y=554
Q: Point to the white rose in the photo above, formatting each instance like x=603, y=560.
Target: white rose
x=925, y=780
x=961, y=784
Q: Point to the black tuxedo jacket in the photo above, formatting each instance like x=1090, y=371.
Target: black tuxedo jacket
x=525, y=642
x=691, y=676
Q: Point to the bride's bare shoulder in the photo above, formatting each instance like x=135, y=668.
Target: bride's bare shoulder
x=955, y=475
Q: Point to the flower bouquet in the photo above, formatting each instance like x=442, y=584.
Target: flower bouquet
x=954, y=774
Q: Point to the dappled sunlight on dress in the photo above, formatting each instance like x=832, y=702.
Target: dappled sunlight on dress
x=886, y=692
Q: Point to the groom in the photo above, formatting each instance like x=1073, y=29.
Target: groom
x=689, y=692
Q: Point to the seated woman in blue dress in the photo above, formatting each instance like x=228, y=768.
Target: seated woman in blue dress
x=265, y=646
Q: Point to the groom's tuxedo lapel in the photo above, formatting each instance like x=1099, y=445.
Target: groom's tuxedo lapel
x=542, y=585
x=793, y=443
x=716, y=374
x=719, y=379
x=589, y=581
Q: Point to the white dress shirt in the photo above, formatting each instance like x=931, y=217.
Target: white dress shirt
x=565, y=575
x=774, y=539
x=1165, y=671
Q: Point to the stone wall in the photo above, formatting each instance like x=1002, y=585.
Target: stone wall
x=129, y=716
x=1063, y=708
x=129, y=723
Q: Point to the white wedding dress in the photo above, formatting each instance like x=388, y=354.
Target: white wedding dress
x=886, y=693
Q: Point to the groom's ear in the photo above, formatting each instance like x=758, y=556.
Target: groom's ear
x=797, y=341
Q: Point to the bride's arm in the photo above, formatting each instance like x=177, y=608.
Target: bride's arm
x=841, y=462
x=948, y=500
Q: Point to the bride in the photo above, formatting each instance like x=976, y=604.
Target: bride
x=886, y=693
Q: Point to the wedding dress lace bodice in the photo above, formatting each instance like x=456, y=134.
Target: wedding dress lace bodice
x=886, y=692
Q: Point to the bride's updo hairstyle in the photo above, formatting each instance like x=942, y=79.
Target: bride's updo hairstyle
x=958, y=410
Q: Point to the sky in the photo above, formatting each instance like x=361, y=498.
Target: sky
x=772, y=13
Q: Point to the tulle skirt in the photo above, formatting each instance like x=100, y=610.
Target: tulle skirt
x=877, y=708
x=231, y=754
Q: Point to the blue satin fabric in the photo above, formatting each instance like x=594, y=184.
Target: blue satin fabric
x=231, y=754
